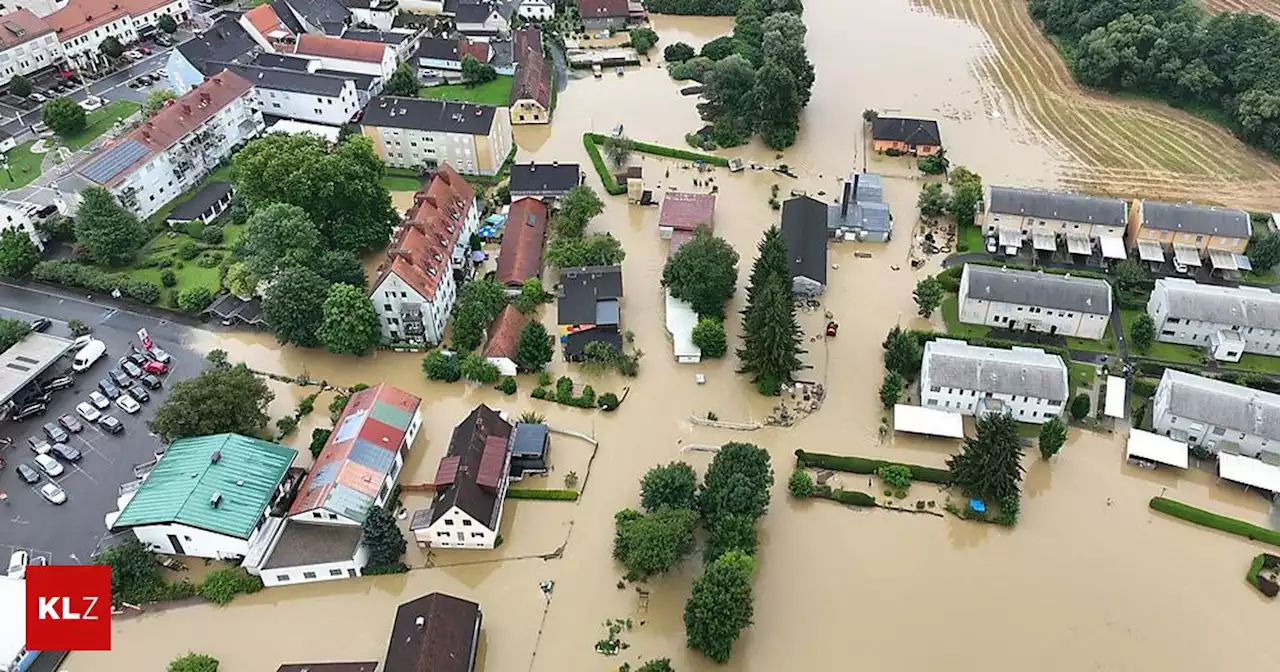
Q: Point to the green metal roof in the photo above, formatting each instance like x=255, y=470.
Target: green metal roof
x=390, y=415
x=182, y=484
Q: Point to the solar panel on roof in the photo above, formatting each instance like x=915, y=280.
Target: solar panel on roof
x=372, y=456
x=113, y=161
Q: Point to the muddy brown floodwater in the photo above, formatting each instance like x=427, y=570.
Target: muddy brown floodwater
x=1090, y=579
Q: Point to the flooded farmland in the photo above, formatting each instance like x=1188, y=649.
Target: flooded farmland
x=1090, y=579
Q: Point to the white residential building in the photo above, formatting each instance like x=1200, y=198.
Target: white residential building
x=484, y=19
x=1216, y=414
x=1027, y=383
x=1034, y=301
x=416, y=133
x=334, y=53
x=1050, y=219
x=83, y=25
x=301, y=95
x=471, y=485
x=536, y=10
x=28, y=44
x=381, y=14
x=174, y=150
x=1228, y=321
x=37, y=7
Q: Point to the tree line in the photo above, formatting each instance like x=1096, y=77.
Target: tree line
x=1175, y=50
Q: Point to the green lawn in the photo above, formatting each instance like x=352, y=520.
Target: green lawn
x=401, y=179
x=23, y=165
x=956, y=328
x=970, y=239
x=497, y=92
x=1262, y=279
x=1256, y=364
x=1164, y=352
x=1107, y=344
x=1081, y=375
x=99, y=121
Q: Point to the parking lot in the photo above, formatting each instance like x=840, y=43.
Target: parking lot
x=69, y=533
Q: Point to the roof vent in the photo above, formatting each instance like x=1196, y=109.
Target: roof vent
x=240, y=482
x=215, y=500
x=217, y=455
x=420, y=622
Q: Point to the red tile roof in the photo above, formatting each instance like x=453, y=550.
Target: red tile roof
x=520, y=257
x=420, y=254
x=336, y=47
x=265, y=20
x=81, y=16
x=477, y=50
x=504, y=334
x=493, y=462
x=600, y=9
x=684, y=211
x=532, y=80
x=22, y=21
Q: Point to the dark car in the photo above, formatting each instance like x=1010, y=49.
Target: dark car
x=37, y=397
x=150, y=381
x=60, y=383
x=111, y=424
x=29, y=411
x=70, y=423
x=55, y=433
x=27, y=474
x=120, y=378
x=136, y=357
x=67, y=453
x=40, y=324
x=139, y=392
x=131, y=369
x=109, y=389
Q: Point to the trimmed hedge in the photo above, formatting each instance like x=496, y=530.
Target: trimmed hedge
x=1264, y=586
x=611, y=185
x=863, y=465
x=849, y=497
x=590, y=140
x=555, y=495
x=1218, y=522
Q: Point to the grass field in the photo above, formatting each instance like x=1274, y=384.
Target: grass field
x=99, y=121
x=1120, y=146
x=951, y=317
x=1165, y=352
x=1081, y=376
x=23, y=165
x=400, y=179
x=497, y=92
x=1107, y=345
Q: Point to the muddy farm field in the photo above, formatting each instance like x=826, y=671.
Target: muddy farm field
x=1268, y=7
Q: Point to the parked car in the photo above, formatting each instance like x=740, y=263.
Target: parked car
x=137, y=83
x=98, y=399
x=28, y=411
x=157, y=368
x=88, y=355
x=36, y=97
x=40, y=324
x=109, y=389
x=111, y=424
x=60, y=383
x=139, y=392
x=128, y=404
x=131, y=369
x=18, y=564
x=37, y=396
x=48, y=465
x=151, y=381
x=70, y=423
x=146, y=51
x=87, y=411
x=136, y=357
x=38, y=445
x=27, y=474
x=55, y=433
x=159, y=355
x=118, y=377
x=53, y=493
x=66, y=452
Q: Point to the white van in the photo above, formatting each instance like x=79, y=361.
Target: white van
x=88, y=355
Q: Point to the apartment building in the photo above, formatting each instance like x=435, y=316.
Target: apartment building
x=1217, y=415
x=1020, y=300
x=1085, y=224
x=83, y=25
x=370, y=58
x=415, y=133
x=40, y=8
x=1027, y=383
x=1192, y=234
x=28, y=44
x=301, y=95
x=1228, y=321
x=172, y=151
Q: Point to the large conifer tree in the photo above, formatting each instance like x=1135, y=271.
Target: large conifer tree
x=771, y=336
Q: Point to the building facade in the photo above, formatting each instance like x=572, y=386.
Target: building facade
x=1217, y=415
x=536, y=10
x=27, y=45
x=1191, y=234
x=1050, y=220
x=604, y=14
x=414, y=133
x=302, y=96
x=1034, y=301
x=1229, y=321
x=471, y=484
x=916, y=137
x=532, y=88
x=370, y=58
x=83, y=25
x=1026, y=383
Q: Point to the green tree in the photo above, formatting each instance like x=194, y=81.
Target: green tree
x=1264, y=251
x=643, y=39
x=438, y=365
x=1129, y=276
x=704, y=272
x=708, y=335
x=618, y=148
x=655, y=543
x=64, y=116
x=339, y=187
x=18, y=255
x=720, y=605
x=728, y=100
x=220, y=400
x=20, y=86
x=319, y=437
x=1053, y=435
x=240, y=280
x=577, y=208
x=111, y=48
x=869, y=116
x=156, y=101
x=928, y=295
x=167, y=24
x=964, y=202
x=194, y=662
x=294, y=306
x=737, y=483
x=657, y=665
x=276, y=237
x=78, y=328
x=678, y=52
x=351, y=325
x=783, y=43
x=932, y=202
x=135, y=576
x=403, y=82
x=531, y=296
x=382, y=536
x=534, y=349
x=934, y=164
x=195, y=299
x=730, y=533
x=478, y=304
x=989, y=465
x=891, y=388
x=1080, y=406
x=109, y=233
x=778, y=96
x=721, y=47
x=748, y=34
x=340, y=267
x=801, y=484
x=895, y=476
x=475, y=72
x=674, y=485
x=771, y=338
x=1143, y=333
x=902, y=354
x=595, y=250
x=477, y=369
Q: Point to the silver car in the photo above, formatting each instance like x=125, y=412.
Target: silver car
x=53, y=493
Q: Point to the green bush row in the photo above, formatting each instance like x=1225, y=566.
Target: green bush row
x=863, y=465
x=71, y=274
x=611, y=185
x=555, y=495
x=222, y=585
x=1192, y=514
x=849, y=497
x=923, y=336
x=591, y=140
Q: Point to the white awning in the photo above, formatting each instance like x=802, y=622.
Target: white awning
x=1188, y=256
x=1113, y=247
x=1044, y=240
x=1010, y=238
x=919, y=420
x=1223, y=260
x=1244, y=263
x=1162, y=449
x=1078, y=243
x=1150, y=250
x=1249, y=471
x=1115, y=397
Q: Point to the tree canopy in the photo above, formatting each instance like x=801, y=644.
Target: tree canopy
x=18, y=255
x=649, y=544
x=1053, y=435
x=989, y=464
x=12, y=332
x=928, y=295
x=720, y=606
x=475, y=72
x=340, y=267
x=1264, y=251
x=1143, y=333
x=294, y=306
x=403, y=82
x=277, y=236
x=64, y=116
x=167, y=24
x=674, y=485
x=478, y=304
x=156, y=100
x=109, y=233
x=902, y=353
x=737, y=483
x=194, y=662
x=771, y=335
x=704, y=272
x=678, y=52
x=709, y=336
x=20, y=86
x=351, y=325
x=643, y=39
x=382, y=536
x=221, y=399
x=731, y=533
x=534, y=349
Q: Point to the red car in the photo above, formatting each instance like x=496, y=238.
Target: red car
x=157, y=368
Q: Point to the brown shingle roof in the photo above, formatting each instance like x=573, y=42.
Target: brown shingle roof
x=336, y=47
x=601, y=9
x=504, y=336
x=446, y=640
x=684, y=211
x=520, y=257
x=420, y=255
x=532, y=80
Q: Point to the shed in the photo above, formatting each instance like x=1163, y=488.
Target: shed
x=918, y=420
x=1249, y=471
x=530, y=445
x=681, y=319
x=1114, y=407
x=1155, y=448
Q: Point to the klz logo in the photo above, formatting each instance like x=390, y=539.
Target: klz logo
x=69, y=608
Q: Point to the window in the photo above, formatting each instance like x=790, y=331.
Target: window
x=448, y=521
x=442, y=534
x=477, y=534
x=282, y=577
x=1219, y=431
x=308, y=575
x=386, y=307
x=186, y=538
x=465, y=523
x=335, y=572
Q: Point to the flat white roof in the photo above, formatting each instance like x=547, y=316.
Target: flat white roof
x=1156, y=448
x=27, y=359
x=1114, y=407
x=13, y=617
x=293, y=127
x=1249, y=471
x=1112, y=247
x=680, y=322
x=919, y=420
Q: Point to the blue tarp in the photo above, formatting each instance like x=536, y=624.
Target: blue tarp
x=977, y=505
x=497, y=220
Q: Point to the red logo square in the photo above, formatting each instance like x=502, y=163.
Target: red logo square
x=69, y=608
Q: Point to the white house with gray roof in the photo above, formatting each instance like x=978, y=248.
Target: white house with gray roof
x=1228, y=321
x=1216, y=414
x=1027, y=383
x=1049, y=219
x=1014, y=299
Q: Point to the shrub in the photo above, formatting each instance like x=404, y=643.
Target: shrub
x=544, y=379
x=286, y=425
x=209, y=260
x=554, y=495
x=193, y=228
x=564, y=390
x=78, y=328
x=212, y=234
x=188, y=250
x=848, y=497
x=801, y=484
x=508, y=385
x=1218, y=522
x=895, y=476
x=1080, y=406
x=337, y=405
x=709, y=336
x=194, y=662
x=862, y=465
x=539, y=393
x=195, y=299
x=222, y=585
x=438, y=365
x=319, y=437
x=608, y=401
x=167, y=278
x=72, y=274
x=307, y=405
x=588, y=397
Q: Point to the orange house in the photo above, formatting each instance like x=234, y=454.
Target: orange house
x=1191, y=232
x=917, y=137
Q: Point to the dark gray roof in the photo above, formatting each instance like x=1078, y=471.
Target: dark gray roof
x=303, y=544
x=376, y=36
x=196, y=206
x=290, y=80
x=575, y=344
x=429, y=115
x=474, y=12
x=530, y=440
x=1035, y=288
x=582, y=288
x=114, y=161
x=1050, y=205
x=468, y=446
x=224, y=42
x=383, y=5
x=287, y=17
x=544, y=179
x=320, y=12
x=804, y=228
x=363, y=81
x=910, y=131
x=438, y=48
x=1191, y=218
x=270, y=60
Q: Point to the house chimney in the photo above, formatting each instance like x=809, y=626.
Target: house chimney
x=186, y=109
x=215, y=500
x=217, y=455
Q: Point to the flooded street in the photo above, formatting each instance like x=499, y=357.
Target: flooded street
x=1089, y=579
